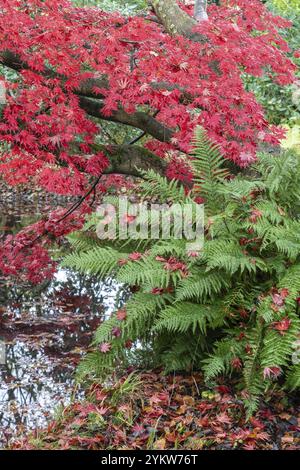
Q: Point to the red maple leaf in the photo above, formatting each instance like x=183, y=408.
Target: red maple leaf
x=105, y=347
x=282, y=326
x=121, y=315
x=272, y=372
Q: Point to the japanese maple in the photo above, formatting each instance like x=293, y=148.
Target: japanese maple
x=77, y=67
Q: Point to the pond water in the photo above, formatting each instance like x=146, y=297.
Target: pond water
x=44, y=331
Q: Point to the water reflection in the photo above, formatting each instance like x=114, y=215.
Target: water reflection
x=46, y=330
x=68, y=292
x=31, y=384
x=45, y=335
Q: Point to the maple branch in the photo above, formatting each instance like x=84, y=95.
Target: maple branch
x=88, y=86
x=131, y=160
x=126, y=159
x=177, y=21
x=91, y=103
x=13, y=61
x=143, y=134
x=81, y=200
x=139, y=119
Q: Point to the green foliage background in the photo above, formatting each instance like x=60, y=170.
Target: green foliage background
x=278, y=101
x=125, y=7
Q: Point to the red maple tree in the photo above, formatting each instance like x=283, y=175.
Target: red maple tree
x=163, y=73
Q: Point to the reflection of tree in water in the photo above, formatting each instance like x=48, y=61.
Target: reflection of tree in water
x=31, y=386
x=68, y=292
x=46, y=329
x=50, y=326
x=84, y=293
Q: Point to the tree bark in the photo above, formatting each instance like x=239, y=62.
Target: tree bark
x=139, y=120
x=175, y=20
x=132, y=160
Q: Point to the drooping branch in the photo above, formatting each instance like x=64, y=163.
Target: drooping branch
x=124, y=159
x=93, y=106
x=139, y=120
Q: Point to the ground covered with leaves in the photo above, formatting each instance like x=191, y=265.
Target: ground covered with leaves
x=154, y=411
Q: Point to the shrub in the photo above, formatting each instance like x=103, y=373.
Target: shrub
x=230, y=310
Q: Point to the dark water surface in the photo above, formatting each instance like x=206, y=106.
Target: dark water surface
x=44, y=330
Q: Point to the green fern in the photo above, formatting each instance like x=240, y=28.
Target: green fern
x=202, y=285
x=98, y=261
x=186, y=316
x=293, y=377
x=209, y=171
x=214, y=311
x=155, y=185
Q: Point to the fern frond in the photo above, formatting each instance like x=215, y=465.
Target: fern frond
x=98, y=261
x=228, y=255
x=155, y=185
x=149, y=272
x=202, y=285
x=220, y=361
x=183, y=316
x=293, y=376
x=209, y=171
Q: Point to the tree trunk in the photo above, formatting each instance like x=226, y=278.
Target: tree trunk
x=176, y=21
x=200, y=13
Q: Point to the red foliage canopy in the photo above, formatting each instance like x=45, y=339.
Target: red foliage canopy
x=74, y=63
